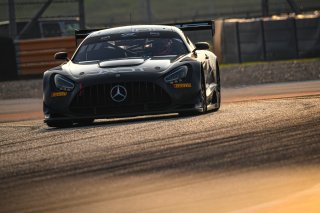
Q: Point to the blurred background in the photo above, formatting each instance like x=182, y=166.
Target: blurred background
x=245, y=31
x=104, y=13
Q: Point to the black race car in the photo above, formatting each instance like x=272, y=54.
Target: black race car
x=132, y=71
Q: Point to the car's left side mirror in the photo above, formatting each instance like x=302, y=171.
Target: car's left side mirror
x=202, y=46
x=61, y=56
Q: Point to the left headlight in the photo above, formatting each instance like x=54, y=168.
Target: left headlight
x=178, y=74
x=62, y=83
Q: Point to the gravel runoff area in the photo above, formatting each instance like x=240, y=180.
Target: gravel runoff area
x=231, y=76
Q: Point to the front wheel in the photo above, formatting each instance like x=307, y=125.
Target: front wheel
x=216, y=99
x=59, y=124
x=203, y=95
x=203, y=100
x=84, y=122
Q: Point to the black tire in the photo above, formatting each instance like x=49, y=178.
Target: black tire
x=59, y=124
x=84, y=122
x=203, y=100
x=217, y=94
x=203, y=94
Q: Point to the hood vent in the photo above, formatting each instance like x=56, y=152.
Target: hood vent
x=121, y=63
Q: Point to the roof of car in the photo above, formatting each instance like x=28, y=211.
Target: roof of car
x=135, y=28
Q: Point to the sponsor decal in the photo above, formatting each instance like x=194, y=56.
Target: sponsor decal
x=105, y=37
x=154, y=33
x=182, y=85
x=59, y=94
x=115, y=70
x=131, y=34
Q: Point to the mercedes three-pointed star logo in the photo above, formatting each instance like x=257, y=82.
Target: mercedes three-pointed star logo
x=118, y=93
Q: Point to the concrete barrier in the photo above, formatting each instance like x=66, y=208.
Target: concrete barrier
x=37, y=55
x=270, y=39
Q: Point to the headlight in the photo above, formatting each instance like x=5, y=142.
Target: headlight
x=178, y=74
x=62, y=83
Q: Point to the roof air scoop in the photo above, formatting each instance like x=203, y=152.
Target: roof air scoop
x=121, y=63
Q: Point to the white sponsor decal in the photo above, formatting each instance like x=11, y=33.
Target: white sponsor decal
x=124, y=35
x=117, y=70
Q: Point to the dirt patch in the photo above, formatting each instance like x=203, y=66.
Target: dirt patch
x=31, y=88
x=272, y=72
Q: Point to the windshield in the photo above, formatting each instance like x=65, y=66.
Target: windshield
x=129, y=45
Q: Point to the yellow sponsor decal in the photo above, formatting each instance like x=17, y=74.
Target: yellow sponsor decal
x=184, y=85
x=59, y=94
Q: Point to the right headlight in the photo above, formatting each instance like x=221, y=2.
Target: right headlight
x=178, y=74
x=63, y=83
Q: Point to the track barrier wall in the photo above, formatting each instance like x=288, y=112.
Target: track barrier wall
x=308, y=35
x=269, y=40
x=37, y=55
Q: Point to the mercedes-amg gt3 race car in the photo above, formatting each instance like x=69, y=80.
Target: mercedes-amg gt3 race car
x=131, y=71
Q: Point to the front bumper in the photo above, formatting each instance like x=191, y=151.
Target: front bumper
x=91, y=98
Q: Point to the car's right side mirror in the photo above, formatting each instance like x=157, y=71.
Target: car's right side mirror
x=61, y=56
x=202, y=46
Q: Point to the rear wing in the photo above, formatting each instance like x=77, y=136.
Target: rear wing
x=186, y=27
x=196, y=26
x=198, y=31
x=82, y=34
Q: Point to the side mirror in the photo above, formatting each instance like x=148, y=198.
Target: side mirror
x=61, y=56
x=202, y=46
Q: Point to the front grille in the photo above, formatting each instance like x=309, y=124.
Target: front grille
x=141, y=97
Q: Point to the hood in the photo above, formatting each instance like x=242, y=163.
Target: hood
x=155, y=64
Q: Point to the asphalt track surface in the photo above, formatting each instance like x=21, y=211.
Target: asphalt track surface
x=259, y=153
